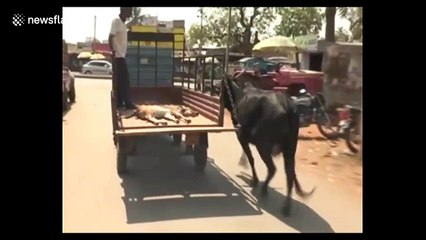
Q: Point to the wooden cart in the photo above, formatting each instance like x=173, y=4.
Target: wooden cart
x=178, y=91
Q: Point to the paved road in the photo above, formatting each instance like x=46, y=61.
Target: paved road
x=163, y=194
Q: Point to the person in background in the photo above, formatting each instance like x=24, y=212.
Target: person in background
x=118, y=43
x=261, y=66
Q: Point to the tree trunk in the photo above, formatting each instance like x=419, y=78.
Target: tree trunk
x=330, y=14
x=329, y=93
x=247, y=46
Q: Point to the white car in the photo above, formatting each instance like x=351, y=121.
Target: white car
x=98, y=67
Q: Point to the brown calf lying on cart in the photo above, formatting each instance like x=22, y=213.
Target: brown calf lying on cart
x=158, y=115
x=187, y=112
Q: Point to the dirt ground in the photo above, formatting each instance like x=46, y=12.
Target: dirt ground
x=329, y=159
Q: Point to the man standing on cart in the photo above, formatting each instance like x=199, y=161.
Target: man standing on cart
x=118, y=43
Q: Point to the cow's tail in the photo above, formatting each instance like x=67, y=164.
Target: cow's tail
x=243, y=160
x=295, y=124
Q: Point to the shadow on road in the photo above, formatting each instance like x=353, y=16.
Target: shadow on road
x=163, y=185
x=302, y=218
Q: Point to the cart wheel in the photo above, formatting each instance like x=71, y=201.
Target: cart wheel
x=177, y=139
x=123, y=149
x=200, y=157
x=71, y=93
x=121, y=161
x=65, y=105
x=114, y=139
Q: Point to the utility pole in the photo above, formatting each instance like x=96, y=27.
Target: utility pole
x=200, y=45
x=198, y=61
x=94, y=36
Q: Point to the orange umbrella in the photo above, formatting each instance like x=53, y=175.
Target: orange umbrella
x=84, y=55
x=97, y=56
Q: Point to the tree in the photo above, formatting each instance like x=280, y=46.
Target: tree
x=342, y=35
x=330, y=15
x=244, y=21
x=136, y=17
x=298, y=21
x=195, y=34
x=354, y=15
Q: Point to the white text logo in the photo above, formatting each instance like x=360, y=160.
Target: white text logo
x=19, y=19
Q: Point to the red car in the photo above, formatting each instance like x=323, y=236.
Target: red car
x=283, y=76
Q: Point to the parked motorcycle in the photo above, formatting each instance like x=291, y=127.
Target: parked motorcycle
x=311, y=110
x=349, y=124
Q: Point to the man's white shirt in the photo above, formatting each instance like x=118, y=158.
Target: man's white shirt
x=119, y=41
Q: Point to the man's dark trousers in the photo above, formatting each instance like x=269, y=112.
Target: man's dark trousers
x=123, y=83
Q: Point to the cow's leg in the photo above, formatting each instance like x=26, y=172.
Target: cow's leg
x=245, y=145
x=247, y=151
x=289, y=152
x=265, y=152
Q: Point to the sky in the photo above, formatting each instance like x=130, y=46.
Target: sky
x=78, y=22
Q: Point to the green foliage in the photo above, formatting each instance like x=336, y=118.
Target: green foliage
x=244, y=22
x=342, y=35
x=352, y=14
x=355, y=19
x=299, y=21
x=136, y=16
x=195, y=34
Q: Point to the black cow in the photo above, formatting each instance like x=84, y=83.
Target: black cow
x=268, y=120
